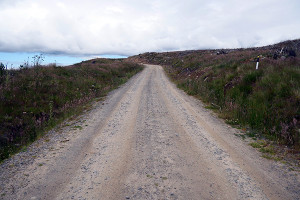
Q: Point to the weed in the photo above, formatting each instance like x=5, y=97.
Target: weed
x=251, y=134
x=232, y=121
x=267, y=156
x=78, y=127
x=240, y=135
x=24, y=149
x=284, y=162
x=255, y=145
x=268, y=149
x=210, y=107
x=277, y=158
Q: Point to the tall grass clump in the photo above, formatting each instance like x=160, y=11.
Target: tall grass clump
x=266, y=99
x=36, y=98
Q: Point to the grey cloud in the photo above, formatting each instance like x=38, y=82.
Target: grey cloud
x=132, y=26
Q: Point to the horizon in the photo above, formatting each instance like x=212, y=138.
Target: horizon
x=14, y=60
x=129, y=27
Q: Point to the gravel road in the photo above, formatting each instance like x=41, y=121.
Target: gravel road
x=146, y=140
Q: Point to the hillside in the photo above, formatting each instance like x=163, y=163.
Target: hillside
x=264, y=101
x=34, y=99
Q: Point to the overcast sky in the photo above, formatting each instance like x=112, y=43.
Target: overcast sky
x=129, y=27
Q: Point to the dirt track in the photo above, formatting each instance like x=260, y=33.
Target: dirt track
x=148, y=140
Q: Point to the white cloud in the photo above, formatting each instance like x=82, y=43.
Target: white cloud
x=128, y=27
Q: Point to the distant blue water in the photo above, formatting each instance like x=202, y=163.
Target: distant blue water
x=14, y=60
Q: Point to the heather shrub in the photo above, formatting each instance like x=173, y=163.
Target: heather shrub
x=36, y=98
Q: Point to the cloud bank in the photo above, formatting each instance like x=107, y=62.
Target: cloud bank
x=128, y=27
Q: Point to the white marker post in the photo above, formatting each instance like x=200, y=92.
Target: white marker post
x=257, y=62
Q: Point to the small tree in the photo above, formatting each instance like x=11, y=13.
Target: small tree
x=2, y=69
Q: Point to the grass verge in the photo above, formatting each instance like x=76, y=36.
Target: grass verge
x=35, y=99
x=266, y=100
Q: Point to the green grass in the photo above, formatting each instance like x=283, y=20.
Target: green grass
x=272, y=157
x=78, y=127
x=34, y=100
x=255, y=145
x=266, y=100
x=267, y=156
x=269, y=149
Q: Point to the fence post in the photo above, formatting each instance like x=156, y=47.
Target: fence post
x=257, y=62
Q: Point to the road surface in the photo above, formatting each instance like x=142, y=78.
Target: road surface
x=147, y=140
